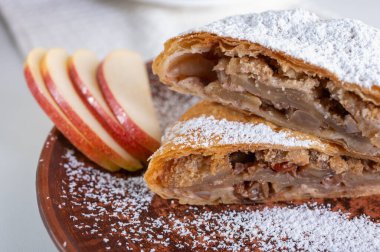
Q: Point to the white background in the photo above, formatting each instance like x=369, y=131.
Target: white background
x=24, y=127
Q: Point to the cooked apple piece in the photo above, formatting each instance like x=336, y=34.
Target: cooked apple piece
x=82, y=67
x=38, y=89
x=57, y=80
x=123, y=79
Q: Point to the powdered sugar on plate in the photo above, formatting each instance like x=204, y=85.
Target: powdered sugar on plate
x=120, y=210
x=206, y=131
x=169, y=105
x=348, y=48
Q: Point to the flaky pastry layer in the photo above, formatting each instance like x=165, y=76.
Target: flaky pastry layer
x=216, y=154
x=278, y=87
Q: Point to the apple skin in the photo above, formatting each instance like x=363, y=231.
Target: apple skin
x=106, y=118
x=70, y=110
x=122, y=116
x=52, y=110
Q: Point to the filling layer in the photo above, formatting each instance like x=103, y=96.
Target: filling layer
x=282, y=94
x=244, y=177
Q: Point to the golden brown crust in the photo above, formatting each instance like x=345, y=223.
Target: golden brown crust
x=179, y=66
x=220, y=112
x=170, y=149
x=191, y=41
x=162, y=171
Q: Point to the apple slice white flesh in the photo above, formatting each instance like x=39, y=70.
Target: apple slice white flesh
x=82, y=66
x=41, y=94
x=124, y=82
x=57, y=80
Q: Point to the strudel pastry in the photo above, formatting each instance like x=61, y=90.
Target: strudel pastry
x=216, y=154
x=291, y=68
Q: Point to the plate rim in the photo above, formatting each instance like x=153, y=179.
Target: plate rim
x=44, y=201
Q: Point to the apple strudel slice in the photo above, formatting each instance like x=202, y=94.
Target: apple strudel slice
x=291, y=68
x=216, y=154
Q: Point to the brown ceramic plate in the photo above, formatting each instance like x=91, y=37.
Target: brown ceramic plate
x=72, y=228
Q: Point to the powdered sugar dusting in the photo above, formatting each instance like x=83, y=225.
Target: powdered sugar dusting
x=348, y=48
x=125, y=204
x=206, y=131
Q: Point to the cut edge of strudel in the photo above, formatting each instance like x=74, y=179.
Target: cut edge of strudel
x=290, y=67
x=216, y=154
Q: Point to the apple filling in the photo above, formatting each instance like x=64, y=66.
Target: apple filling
x=267, y=175
x=282, y=94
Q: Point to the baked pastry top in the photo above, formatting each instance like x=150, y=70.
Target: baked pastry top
x=319, y=76
x=216, y=154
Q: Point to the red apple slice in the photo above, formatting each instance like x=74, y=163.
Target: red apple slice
x=82, y=67
x=39, y=91
x=57, y=80
x=123, y=79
